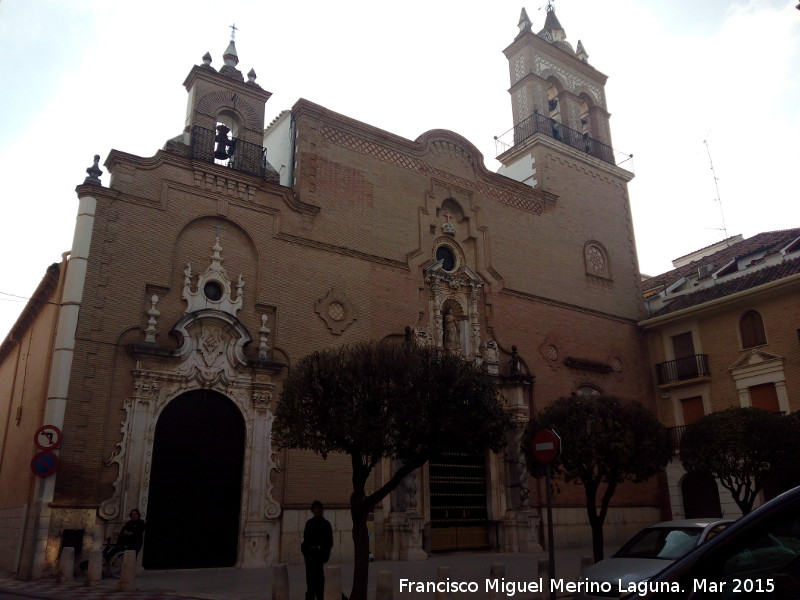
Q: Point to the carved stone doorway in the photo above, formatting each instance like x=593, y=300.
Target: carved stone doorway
x=195, y=484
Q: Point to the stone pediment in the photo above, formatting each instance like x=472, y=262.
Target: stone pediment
x=754, y=358
x=461, y=276
x=212, y=346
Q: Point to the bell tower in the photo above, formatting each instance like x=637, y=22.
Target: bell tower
x=555, y=94
x=225, y=114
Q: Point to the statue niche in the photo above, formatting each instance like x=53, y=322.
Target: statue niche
x=453, y=323
x=453, y=307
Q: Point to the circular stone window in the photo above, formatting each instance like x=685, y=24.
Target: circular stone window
x=212, y=291
x=445, y=254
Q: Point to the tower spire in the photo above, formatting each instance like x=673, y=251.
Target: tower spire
x=552, y=25
x=524, y=22
x=231, y=58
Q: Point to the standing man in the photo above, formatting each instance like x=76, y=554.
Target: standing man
x=316, y=549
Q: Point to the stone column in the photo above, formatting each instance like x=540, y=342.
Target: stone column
x=438, y=322
x=61, y=368
x=261, y=508
x=474, y=323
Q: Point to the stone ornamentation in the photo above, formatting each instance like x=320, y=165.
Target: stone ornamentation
x=461, y=287
x=423, y=337
x=94, y=173
x=336, y=311
x=263, y=348
x=491, y=357
x=573, y=82
x=213, y=289
x=153, y=314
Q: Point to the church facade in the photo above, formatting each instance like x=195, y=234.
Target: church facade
x=199, y=275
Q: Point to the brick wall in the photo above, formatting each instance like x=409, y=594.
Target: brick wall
x=378, y=198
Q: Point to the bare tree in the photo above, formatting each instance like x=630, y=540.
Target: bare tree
x=605, y=442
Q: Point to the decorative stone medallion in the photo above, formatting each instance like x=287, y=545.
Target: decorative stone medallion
x=336, y=311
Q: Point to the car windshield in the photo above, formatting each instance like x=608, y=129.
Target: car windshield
x=669, y=543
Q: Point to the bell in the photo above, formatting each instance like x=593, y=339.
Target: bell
x=222, y=140
x=221, y=152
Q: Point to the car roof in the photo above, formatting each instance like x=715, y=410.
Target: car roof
x=691, y=522
x=786, y=501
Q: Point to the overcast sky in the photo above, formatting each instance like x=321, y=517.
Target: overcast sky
x=81, y=77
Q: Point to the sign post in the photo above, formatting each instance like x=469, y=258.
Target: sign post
x=546, y=448
x=47, y=438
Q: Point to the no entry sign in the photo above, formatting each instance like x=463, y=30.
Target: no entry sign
x=546, y=446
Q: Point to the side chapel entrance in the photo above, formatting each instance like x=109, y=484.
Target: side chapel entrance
x=459, y=516
x=195, y=484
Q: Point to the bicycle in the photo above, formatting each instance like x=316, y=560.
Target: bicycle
x=113, y=555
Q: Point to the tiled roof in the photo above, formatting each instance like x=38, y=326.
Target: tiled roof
x=772, y=241
x=737, y=284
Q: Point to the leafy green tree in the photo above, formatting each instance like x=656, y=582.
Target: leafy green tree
x=381, y=400
x=742, y=448
x=604, y=443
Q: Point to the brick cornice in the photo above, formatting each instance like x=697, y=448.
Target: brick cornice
x=560, y=304
x=163, y=157
x=355, y=135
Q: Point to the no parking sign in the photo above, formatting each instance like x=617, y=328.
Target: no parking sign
x=44, y=464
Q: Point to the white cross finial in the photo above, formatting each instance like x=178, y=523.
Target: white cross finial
x=219, y=229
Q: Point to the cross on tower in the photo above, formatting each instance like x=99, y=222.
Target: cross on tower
x=233, y=31
x=219, y=229
x=447, y=216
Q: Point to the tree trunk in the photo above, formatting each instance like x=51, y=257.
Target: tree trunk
x=597, y=538
x=360, y=507
x=360, y=549
x=595, y=520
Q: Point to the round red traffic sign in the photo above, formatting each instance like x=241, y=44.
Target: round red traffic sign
x=44, y=464
x=47, y=437
x=546, y=446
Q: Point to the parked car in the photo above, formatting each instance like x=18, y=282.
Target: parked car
x=757, y=557
x=645, y=554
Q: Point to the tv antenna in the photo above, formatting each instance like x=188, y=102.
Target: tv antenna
x=718, y=200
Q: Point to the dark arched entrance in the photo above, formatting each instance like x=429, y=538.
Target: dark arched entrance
x=195, y=484
x=700, y=496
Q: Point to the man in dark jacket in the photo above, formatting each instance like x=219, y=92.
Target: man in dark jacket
x=316, y=548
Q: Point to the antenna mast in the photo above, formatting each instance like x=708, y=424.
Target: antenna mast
x=716, y=187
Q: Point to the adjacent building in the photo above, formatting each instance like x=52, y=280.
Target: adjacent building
x=724, y=330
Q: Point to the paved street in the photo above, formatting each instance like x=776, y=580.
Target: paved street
x=256, y=584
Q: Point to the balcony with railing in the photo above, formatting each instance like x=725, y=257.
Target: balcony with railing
x=237, y=154
x=683, y=369
x=538, y=123
x=676, y=434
